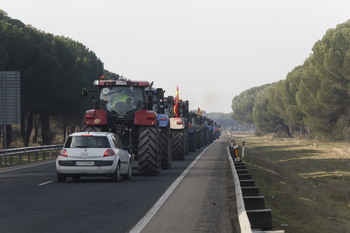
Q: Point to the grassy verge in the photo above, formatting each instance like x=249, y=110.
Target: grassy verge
x=306, y=183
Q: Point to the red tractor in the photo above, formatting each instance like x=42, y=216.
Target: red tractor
x=121, y=107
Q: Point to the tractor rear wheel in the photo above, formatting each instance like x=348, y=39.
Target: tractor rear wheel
x=165, y=148
x=148, y=151
x=204, y=136
x=178, y=146
x=192, y=142
x=186, y=143
x=198, y=139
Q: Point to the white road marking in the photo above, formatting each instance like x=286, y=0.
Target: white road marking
x=47, y=182
x=145, y=220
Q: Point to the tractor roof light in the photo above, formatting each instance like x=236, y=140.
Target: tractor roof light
x=121, y=82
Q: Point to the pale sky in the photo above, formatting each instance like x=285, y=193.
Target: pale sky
x=212, y=50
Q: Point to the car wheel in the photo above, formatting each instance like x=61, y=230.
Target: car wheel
x=115, y=177
x=61, y=178
x=128, y=175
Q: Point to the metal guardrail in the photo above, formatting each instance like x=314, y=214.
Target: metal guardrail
x=252, y=215
x=44, y=152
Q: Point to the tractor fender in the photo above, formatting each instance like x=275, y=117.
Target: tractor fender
x=163, y=120
x=145, y=117
x=177, y=123
x=95, y=117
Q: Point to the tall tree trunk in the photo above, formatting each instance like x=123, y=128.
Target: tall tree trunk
x=8, y=132
x=72, y=129
x=64, y=130
x=23, y=125
x=28, y=129
x=286, y=129
x=36, y=128
x=46, y=132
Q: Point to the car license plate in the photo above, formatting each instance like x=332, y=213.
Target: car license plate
x=84, y=163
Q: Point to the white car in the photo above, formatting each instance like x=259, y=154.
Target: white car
x=93, y=153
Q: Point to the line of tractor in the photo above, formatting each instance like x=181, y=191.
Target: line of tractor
x=155, y=129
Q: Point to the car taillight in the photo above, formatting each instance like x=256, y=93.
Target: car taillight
x=63, y=153
x=109, y=152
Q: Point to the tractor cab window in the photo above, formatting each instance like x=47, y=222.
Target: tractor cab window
x=155, y=104
x=168, y=109
x=121, y=99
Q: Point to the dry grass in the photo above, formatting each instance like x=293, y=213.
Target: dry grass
x=306, y=183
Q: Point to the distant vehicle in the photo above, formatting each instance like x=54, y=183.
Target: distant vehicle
x=93, y=153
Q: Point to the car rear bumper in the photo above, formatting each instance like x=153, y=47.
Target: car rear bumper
x=98, y=163
x=69, y=167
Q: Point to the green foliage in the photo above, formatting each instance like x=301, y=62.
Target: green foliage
x=266, y=120
x=315, y=97
x=110, y=75
x=242, y=105
x=53, y=71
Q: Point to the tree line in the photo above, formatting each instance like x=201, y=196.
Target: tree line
x=313, y=99
x=227, y=123
x=53, y=70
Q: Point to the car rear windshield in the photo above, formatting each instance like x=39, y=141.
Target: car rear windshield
x=87, y=142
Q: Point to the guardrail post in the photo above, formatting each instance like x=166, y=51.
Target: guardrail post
x=36, y=156
x=10, y=160
x=254, y=202
x=20, y=158
x=44, y=155
x=250, y=205
x=260, y=219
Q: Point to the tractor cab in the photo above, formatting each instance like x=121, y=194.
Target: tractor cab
x=121, y=97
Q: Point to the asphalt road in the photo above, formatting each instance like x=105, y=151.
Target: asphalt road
x=32, y=201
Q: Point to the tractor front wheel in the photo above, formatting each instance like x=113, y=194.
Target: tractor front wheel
x=165, y=148
x=179, y=144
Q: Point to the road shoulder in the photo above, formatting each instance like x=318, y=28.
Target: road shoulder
x=203, y=201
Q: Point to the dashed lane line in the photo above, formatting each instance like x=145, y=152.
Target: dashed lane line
x=45, y=183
